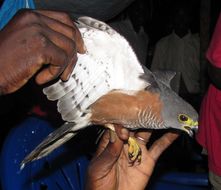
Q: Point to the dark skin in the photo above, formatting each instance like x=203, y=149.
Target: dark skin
x=37, y=39
x=181, y=22
x=110, y=168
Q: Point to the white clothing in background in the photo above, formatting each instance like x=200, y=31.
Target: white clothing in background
x=180, y=55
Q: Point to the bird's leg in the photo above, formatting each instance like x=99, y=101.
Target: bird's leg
x=112, y=130
x=134, y=150
x=110, y=126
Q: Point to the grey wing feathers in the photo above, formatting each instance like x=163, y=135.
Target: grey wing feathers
x=59, y=89
x=93, y=23
x=88, y=82
x=91, y=78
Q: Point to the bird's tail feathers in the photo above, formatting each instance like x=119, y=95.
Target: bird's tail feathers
x=53, y=141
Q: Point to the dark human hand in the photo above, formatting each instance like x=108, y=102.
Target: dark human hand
x=110, y=168
x=38, y=42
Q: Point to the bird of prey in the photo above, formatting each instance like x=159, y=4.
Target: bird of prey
x=109, y=86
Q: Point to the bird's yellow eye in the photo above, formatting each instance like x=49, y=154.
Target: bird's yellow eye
x=183, y=118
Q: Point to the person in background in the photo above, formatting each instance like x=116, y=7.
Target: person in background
x=209, y=134
x=180, y=52
x=109, y=169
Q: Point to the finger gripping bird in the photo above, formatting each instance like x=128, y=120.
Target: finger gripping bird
x=109, y=86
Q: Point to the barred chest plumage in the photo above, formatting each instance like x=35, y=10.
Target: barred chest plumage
x=133, y=110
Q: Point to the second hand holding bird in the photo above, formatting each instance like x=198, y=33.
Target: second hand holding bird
x=110, y=169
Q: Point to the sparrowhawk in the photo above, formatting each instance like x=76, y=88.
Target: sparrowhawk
x=109, y=86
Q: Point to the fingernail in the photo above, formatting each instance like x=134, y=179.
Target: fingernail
x=85, y=49
x=112, y=136
x=69, y=75
x=124, y=131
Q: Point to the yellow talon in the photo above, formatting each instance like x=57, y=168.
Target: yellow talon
x=134, y=151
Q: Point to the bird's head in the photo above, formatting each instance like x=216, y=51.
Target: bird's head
x=176, y=112
x=187, y=123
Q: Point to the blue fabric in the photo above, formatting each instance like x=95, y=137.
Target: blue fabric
x=63, y=169
x=10, y=7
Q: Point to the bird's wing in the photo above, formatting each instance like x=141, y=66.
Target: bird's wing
x=109, y=63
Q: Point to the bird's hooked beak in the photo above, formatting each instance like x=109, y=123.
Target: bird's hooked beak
x=191, y=128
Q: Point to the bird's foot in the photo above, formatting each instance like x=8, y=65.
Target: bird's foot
x=134, y=150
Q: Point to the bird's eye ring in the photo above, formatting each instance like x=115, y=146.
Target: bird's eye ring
x=183, y=117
